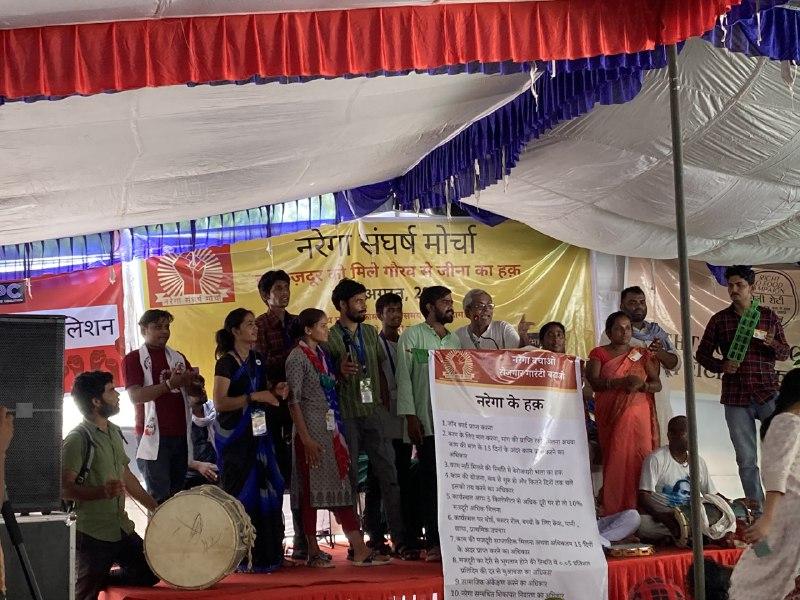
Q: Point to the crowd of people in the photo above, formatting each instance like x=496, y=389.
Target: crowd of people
x=298, y=398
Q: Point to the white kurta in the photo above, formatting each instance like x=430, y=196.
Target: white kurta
x=772, y=577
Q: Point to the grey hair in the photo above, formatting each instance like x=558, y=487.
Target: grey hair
x=469, y=298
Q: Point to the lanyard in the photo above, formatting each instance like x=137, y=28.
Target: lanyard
x=360, y=348
x=388, y=352
x=252, y=374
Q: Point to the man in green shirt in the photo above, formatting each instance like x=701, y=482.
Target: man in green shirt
x=105, y=534
x=364, y=400
x=414, y=393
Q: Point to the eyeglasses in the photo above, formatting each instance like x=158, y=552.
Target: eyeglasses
x=484, y=307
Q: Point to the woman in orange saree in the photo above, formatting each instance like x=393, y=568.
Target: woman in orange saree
x=624, y=379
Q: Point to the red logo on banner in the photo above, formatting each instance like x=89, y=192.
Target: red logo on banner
x=199, y=277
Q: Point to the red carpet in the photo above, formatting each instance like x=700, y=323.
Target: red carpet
x=346, y=582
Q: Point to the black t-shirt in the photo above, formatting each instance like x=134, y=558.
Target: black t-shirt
x=239, y=455
x=255, y=370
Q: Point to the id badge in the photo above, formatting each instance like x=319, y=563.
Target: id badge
x=259, y=418
x=760, y=334
x=634, y=355
x=330, y=420
x=366, y=390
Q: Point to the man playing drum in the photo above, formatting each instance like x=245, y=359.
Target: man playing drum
x=105, y=534
x=665, y=486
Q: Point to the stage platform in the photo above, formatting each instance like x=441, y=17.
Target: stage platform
x=399, y=579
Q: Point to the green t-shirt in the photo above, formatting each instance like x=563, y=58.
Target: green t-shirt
x=349, y=387
x=101, y=519
x=413, y=384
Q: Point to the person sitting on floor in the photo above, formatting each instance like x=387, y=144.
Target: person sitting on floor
x=203, y=466
x=665, y=485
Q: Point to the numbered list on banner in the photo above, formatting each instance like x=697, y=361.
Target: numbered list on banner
x=516, y=510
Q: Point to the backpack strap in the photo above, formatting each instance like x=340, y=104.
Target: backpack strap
x=88, y=454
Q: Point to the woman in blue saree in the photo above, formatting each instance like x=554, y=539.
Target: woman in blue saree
x=245, y=452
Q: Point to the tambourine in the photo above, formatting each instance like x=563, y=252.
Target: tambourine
x=631, y=550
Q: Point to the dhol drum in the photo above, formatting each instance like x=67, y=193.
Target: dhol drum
x=197, y=537
x=718, y=519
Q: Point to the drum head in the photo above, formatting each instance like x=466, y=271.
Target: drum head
x=192, y=541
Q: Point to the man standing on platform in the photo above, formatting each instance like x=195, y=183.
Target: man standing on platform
x=749, y=388
x=105, y=534
x=389, y=308
x=414, y=394
x=364, y=399
x=275, y=342
x=159, y=381
x=648, y=334
x=483, y=332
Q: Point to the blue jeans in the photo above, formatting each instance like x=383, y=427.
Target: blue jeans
x=742, y=429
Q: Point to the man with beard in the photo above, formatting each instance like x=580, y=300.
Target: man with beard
x=364, y=400
x=105, y=534
x=749, y=388
x=414, y=394
x=483, y=332
x=163, y=387
x=648, y=334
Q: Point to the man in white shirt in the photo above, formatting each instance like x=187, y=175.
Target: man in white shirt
x=483, y=333
x=665, y=485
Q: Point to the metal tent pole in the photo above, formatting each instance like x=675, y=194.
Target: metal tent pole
x=686, y=324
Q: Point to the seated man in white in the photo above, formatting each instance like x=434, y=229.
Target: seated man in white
x=665, y=485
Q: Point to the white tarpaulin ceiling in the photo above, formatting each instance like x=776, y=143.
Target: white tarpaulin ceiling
x=84, y=165
x=605, y=181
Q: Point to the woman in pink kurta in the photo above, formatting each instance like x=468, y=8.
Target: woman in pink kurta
x=624, y=380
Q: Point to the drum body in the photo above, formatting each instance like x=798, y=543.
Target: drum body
x=197, y=537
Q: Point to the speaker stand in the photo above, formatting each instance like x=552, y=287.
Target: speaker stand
x=15, y=534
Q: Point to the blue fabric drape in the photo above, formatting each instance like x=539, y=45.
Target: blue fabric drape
x=778, y=37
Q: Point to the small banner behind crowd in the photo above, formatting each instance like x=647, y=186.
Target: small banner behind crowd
x=776, y=289
x=524, y=271
x=91, y=301
x=516, y=510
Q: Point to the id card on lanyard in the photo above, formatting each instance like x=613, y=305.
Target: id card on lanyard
x=258, y=416
x=364, y=383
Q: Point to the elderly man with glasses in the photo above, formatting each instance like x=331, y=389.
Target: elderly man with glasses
x=484, y=333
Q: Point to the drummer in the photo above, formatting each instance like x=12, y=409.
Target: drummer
x=105, y=534
x=664, y=485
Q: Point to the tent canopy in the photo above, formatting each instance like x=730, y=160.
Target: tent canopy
x=162, y=152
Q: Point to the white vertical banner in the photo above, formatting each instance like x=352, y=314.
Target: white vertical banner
x=516, y=510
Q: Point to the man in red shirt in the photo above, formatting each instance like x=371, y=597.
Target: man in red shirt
x=749, y=388
x=275, y=342
x=159, y=381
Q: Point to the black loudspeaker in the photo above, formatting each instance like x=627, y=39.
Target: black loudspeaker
x=50, y=542
x=32, y=385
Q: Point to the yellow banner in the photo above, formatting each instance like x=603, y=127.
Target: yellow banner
x=524, y=271
x=776, y=289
